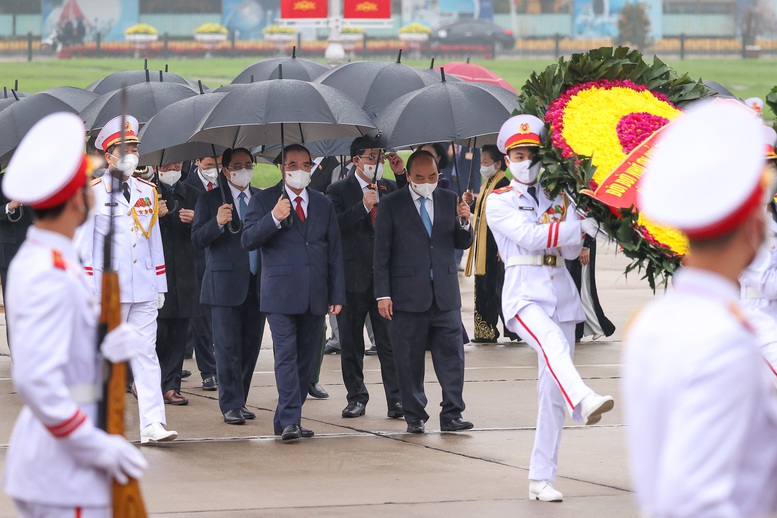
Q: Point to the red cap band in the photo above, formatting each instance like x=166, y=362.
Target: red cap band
x=70, y=188
x=729, y=223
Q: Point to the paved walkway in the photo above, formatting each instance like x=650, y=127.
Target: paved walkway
x=369, y=466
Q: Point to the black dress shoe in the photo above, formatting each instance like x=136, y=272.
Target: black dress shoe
x=291, y=432
x=185, y=374
x=331, y=349
x=372, y=351
x=415, y=426
x=305, y=433
x=456, y=424
x=354, y=409
x=317, y=391
x=234, y=417
x=247, y=414
x=395, y=411
x=210, y=384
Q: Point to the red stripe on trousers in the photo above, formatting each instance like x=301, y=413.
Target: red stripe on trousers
x=555, y=234
x=550, y=235
x=564, y=392
x=78, y=512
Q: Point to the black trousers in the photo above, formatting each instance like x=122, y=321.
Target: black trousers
x=237, y=333
x=171, y=348
x=488, y=303
x=410, y=332
x=200, y=335
x=350, y=322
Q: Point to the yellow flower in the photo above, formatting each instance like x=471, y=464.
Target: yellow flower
x=211, y=28
x=141, y=28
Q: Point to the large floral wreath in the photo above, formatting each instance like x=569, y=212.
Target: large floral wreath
x=600, y=106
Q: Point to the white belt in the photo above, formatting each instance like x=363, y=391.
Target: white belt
x=534, y=260
x=86, y=393
x=751, y=293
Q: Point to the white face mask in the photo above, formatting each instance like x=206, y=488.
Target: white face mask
x=424, y=189
x=525, y=172
x=127, y=164
x=487, y=171
x=211, y=174
x=298, y=179
x=169, y=177
x=241, y=178
x=369, y=171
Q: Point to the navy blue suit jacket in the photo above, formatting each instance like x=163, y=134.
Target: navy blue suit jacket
x=404, y=252
x=227, y=272
x=302, y=265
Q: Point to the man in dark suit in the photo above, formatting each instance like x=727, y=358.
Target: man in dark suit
x=229, y=286
x=181, y=298
x=356, y=202
x=417, y=231
x=302, y=278
x=203, y=178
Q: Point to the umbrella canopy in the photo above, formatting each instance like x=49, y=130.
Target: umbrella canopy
x=10, y=93
x=445, y=112
x=282, y=110
x=18, y=118
x=719, y=90
x=476, y=74
x=293, y=68
x=78, y=98
x=229, y=87
x=165, y=137
x=6, y=102
x=144, y=100
x=432, y=76
x=115, y=81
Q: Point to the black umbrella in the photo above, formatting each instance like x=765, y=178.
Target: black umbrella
x=144, y=101
x=18, y=118
x=165, y=137
x=78, y=98
x=230, y=87
x=719, y=90
x=293, y=68
x=10, y=93
x=115, y=81
x=373, y=85
x=431, y=75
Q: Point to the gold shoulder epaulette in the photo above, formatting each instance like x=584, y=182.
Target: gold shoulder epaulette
x=503, y=189
x=152, y=184
x=59, y=261
x=95, y=182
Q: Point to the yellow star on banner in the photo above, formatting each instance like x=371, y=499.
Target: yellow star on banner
x=304, y=5
x=366, y=7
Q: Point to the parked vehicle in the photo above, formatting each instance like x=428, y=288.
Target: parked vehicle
x=472, y=32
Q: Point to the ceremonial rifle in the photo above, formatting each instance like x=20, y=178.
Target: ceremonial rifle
x=127, y=500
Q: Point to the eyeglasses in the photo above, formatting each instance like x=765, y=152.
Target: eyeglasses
x=238, y=167
x=293, y=166
x=371, y=157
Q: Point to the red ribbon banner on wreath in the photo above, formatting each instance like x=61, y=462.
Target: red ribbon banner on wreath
x=291, y=9
x=374, y=9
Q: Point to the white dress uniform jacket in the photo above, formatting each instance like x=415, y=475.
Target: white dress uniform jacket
x=521, y=227
x=699, y=405
x=139, y=257
x=54, y=316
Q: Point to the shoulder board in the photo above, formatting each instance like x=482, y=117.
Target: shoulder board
x=150, y=184
x=58, y=260
x=94, y=182
x=503, y=189
x=740, y=317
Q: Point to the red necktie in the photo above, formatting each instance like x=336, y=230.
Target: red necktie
x=374, y=213
x=300, y=212
x=210, y=186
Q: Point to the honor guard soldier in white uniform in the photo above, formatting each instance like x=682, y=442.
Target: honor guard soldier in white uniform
x=759, y=280
x=139, y=260
x=534, y=234
x=699, y=403
x=756, y=104
x=59, y=463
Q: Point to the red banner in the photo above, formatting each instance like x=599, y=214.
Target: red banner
x=291, y=9
x=375, y=9
x=619, y=189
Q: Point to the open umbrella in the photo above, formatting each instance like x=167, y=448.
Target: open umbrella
x=10, y=93
x=114, y=82
x=18, y=118
x=719, y=90
x=293, y=68
x=78, y=98
x=431, y=75
x=476, y=74
x=144, y=101
x=165, y=137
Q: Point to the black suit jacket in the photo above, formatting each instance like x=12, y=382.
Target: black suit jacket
x=227, y=271
x=13, y=231
x=179, y=253
x=302, y=265
x=404, y=252
x=356, y=229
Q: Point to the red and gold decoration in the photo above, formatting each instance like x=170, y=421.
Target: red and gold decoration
x=370, y=9
x=294, y=9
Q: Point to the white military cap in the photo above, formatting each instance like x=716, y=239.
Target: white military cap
x=111, y=132
x=520, y=131
x=755, y=103
x=681, y=186
x=49, y=166
x=770, y=136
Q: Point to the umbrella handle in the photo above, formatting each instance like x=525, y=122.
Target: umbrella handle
x=21, y=213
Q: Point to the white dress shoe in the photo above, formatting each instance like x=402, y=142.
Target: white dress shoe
x=155, y=432
x=593, y=406
x=543, y=491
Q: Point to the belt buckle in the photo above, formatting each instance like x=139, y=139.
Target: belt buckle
x=549, y=260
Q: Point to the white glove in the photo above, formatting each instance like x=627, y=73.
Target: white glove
x=590, y=226
x=121, y=344
x=160, y=300
x=110, y=453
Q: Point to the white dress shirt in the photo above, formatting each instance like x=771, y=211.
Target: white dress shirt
x=365, y=187
x=292, y=197
x=235, y=194
x=429, y=204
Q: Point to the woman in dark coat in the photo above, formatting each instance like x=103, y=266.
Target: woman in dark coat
x=583, y=271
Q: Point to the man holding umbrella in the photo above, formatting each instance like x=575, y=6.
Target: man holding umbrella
x=302, y=278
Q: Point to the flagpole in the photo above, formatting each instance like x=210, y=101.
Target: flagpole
x=335, y=53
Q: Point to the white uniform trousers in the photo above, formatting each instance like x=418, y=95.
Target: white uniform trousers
x=145, y=365
x=33, y=510
x=559, y=385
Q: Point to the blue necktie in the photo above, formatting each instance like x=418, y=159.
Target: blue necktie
x=425, y=216
x=253, y=255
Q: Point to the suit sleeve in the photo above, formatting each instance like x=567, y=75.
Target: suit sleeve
x=205, y=230
x=158, y=255
x=401, y=180
x=505, y=219
x=347, y=217
x=381, y=265
x=259, y=226
x=462, y=236
x=336, y=270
